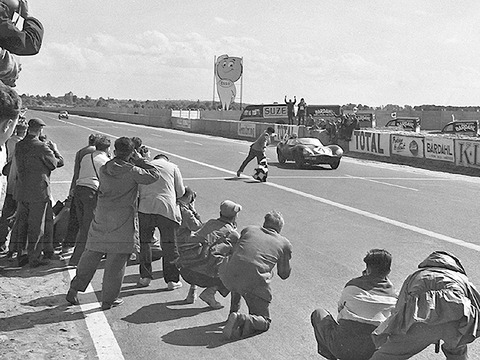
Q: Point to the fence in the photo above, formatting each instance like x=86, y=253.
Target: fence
x=186, y=114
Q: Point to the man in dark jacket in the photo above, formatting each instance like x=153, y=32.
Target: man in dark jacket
x=249, y=271
x=257, y=149
x=35, y=161
x=25, y=41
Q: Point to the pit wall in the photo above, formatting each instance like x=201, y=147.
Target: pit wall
x=450, y=153
x=443, y=153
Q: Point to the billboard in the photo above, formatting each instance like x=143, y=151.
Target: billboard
x=228, y=70
x=370, y=142
x=467, y=153
x=439, y=148
x=409, y=146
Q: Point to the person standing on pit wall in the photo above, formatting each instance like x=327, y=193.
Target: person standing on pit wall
x=86, y=193
x=112, y=230
x=290, y=109
x=301, y=111
x=257, y=149
x=158, y=209
x=365, y=302
x=248, y=272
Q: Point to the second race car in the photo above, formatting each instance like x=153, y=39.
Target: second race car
x=308, y=150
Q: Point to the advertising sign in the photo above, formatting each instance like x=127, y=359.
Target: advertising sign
x=282, y=130
x=319, y=111
x=371, y=142
x=183, y=123
x=467, y=153
x=246, y=129
x=228, y=70
x=271, y=111
x=409, y=146
x=438, y=148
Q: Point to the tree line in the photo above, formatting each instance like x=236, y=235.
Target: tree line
x=72, y=100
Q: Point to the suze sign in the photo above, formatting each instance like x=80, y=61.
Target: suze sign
x=275, y=111
x=370, y=142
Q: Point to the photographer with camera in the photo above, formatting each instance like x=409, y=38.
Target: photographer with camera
x=112, y=230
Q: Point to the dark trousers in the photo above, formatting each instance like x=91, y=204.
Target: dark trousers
x=73, y=226
x=349, y=340
x=85, y=204
x=31, y=226
x=258, y=318
x=252, y=154
x=301, y=118
x=147, y=225
x=113, y=274
x=9, y=207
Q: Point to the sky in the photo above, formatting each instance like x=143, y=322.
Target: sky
x=370, y=52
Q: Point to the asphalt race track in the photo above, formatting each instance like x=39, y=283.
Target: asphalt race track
x=332, y=218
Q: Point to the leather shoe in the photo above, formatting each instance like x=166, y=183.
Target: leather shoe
x=116, y=302
x=72, y=297
x=143, y=282
x=233, y=327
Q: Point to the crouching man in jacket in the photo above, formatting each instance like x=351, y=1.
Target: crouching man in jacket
x=437, y=302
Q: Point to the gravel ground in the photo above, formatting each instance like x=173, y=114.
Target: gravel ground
x=35, y=320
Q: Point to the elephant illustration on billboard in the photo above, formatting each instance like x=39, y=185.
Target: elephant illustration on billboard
x=228, y=69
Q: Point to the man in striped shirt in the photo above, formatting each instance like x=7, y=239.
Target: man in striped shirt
x=365, y=302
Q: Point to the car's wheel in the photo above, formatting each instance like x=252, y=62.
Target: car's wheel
x=299, y=161
x=281, y=158
x=335, y=164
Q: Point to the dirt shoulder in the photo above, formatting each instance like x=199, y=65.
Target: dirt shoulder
x=35, y=320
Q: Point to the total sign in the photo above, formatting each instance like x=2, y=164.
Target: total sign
x=370, y=142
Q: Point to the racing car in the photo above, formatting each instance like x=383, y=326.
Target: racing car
x=308, y=150
x=63, y=115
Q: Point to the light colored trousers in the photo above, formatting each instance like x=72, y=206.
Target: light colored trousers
x=417, y=338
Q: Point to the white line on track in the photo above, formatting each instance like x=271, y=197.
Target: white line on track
x=380, y=182
x=193, y=142
x=102, y=335
x=333, y=203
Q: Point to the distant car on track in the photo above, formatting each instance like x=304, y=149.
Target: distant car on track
x=63, y=115
x=308, y=150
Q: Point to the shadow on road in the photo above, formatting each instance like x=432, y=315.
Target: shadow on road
x=209, y=336
x=162, y=312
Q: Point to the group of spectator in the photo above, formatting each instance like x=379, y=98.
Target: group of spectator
x=121, y=198
x=27, y=208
